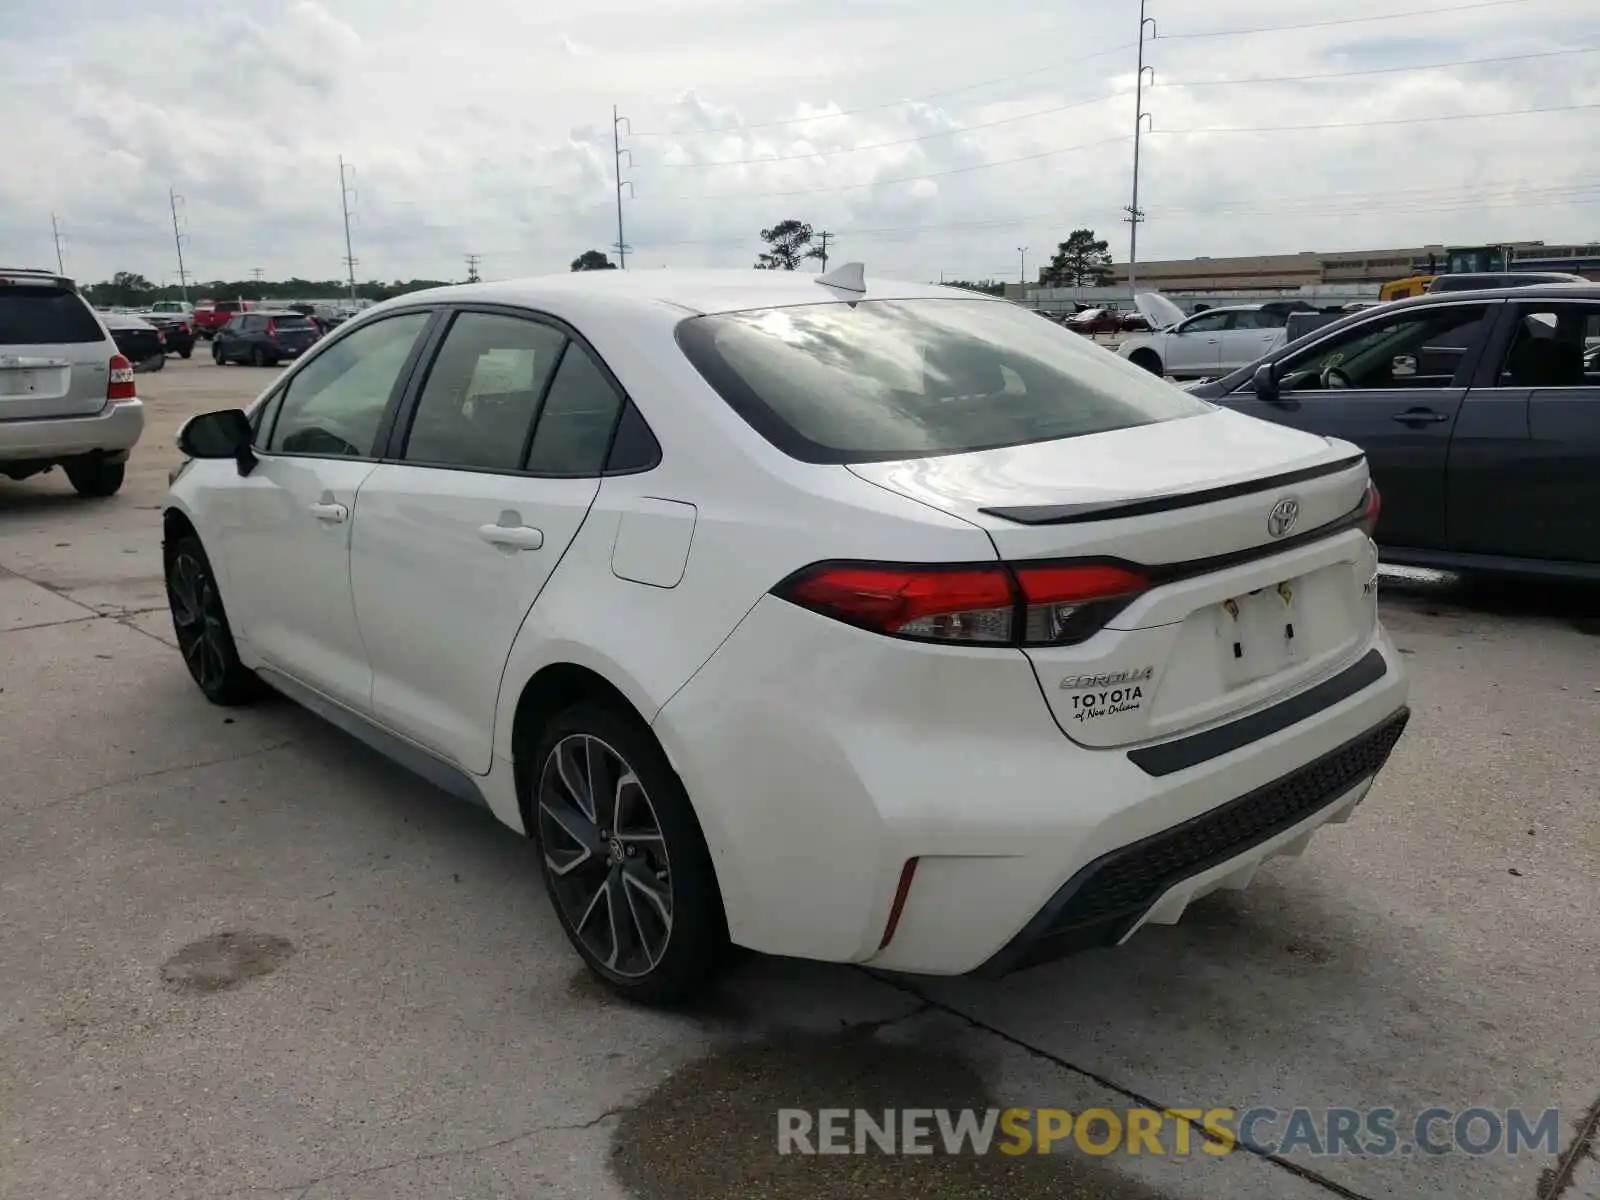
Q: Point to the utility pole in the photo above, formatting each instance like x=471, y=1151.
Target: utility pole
x=1135, y=213
x=256, y=273
x=345, y=192
x=472, y=267
x=824, y=235
x=55, y=234
x=617, y=152
x=1022, y=271
x=177, y=241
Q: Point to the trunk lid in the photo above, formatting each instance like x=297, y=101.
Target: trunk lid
x=1260, y=580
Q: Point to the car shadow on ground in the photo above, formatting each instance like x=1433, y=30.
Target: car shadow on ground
x=1437, y=592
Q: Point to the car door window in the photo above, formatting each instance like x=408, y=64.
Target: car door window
x=1553, y=345
x=1210, y=322
x=477, y=407
x=577, y=420
x=1259, y=320
x=335, y=403
x=1423, y=348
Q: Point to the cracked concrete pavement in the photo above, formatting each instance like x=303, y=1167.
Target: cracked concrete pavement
x=390, y=1009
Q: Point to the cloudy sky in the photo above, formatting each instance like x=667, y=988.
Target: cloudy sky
x=929, y=136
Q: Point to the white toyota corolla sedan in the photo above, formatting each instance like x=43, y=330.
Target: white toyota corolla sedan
x=861, y=621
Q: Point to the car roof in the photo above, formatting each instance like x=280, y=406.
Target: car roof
x=693, y=291
x=1532, y=291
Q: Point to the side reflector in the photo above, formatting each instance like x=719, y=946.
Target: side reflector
x=907, y=873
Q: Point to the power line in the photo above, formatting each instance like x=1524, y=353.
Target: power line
x=1416, y=12
x=1462, y=62
x=853, y=112
x=999, y=162
x=1506, y=195
x=1510, y=112
x=906, y=141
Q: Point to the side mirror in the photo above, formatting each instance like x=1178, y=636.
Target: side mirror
x=1265, y=382
x=225, y=433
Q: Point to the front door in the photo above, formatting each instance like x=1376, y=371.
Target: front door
x=1195, y=347
x=286, y=526
x=455, y=541
x=1393, y=385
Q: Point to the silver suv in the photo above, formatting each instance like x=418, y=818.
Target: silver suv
x=67, y=397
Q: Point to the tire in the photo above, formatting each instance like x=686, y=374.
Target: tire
x=257, y=359
x=96, y=478
x=186, y=354
x=1148, y=359
x=201, y=625
x=216, y=355
x=667, y=939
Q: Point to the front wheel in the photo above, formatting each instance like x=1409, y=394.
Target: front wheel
x=623, y=858
x=216, y=354
x=1148, y=359
x=201, y=625
x=185, y=354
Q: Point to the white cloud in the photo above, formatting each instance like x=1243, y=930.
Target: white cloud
x=486, y=128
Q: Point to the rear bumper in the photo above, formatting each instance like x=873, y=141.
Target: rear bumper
x=115, y=429
x=822, y=759
x=1104, y=903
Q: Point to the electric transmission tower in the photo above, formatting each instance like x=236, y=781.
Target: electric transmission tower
x=617, y=151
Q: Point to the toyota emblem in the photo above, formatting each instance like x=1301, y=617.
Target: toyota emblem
x=1285, y=515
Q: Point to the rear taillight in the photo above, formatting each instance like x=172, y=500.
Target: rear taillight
x=272, y=329
x=1024, y=604
x=1369, y=517
x=119, y=384
x=161, y=338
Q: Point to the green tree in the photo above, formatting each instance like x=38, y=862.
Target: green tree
x=790, y=243
x=1083, y=260
x=593, y=260
x=989, y=287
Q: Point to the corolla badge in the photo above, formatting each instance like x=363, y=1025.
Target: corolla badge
x=1285, y=515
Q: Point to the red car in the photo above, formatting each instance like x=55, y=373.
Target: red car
x=212, y=315
x=1105, y=320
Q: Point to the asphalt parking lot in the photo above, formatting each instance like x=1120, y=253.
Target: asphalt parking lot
x=240, y=955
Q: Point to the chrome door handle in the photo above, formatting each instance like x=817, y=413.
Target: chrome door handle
x=512, y=537
x=331, y=513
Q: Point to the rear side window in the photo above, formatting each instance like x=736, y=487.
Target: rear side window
x=33, y=316
x=575, y=424
x=478, y=404
x=890, y=379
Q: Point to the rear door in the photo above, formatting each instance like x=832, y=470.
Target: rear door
x=1251, y=334
x=485, y=485
x=1392, y=385
x=55, y=357
x=1525, y=462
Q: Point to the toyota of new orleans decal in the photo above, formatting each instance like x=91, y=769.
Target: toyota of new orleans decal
x=1107, y=693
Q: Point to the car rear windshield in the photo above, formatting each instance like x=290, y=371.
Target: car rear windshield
x=227, y=306
x=890, y=379
x=37, y=316
x=290, y=321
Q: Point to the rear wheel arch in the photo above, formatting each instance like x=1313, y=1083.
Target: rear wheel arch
x=175, y=524
x=550, y=691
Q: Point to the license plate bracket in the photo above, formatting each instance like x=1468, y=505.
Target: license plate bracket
x=1261, y=633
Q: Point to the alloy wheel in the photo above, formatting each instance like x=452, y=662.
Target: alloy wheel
x=197, y=620
x=605, y=855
